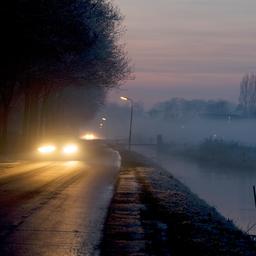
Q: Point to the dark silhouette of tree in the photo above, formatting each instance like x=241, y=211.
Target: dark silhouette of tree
x=48, y=45
x=247, y=99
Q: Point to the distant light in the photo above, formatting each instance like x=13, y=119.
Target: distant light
x=123, y=98
x=101, y=125
x=70, y=149
x=89, y=136
x=48, y=149
x=104, y=119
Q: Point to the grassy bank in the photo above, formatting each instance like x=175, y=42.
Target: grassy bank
x=152, y=213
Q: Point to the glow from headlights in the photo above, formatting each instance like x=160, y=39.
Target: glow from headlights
x=89, y=136
x=70, y=149
x=46, y=149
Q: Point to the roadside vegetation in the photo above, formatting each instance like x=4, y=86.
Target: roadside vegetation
x=216, y=152
x=152, y=213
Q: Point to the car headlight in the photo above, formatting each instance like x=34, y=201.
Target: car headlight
x=70, y=149
x=47, y=149
x=89, y=136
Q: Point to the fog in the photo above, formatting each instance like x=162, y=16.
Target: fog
x=182, y=128
x=208, y=145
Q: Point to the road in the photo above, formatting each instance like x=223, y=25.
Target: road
x=55, y=208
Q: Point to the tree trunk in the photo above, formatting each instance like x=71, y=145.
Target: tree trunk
x=34, y=117
x=31, y=117
x=4, y=128
x=26, y=117
x=6, y=98
x=44, y=112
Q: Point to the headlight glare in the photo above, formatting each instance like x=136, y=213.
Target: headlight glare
x=48, y=149
x=70, y=149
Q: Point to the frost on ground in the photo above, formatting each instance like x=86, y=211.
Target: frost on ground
x=152, y=213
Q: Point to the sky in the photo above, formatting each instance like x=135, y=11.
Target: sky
x=188, y=48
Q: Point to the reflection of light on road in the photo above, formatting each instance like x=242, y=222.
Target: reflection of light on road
x=60, y=169
x=72, y=163
x=15, y=169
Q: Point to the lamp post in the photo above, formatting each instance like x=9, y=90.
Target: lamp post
x=131, y=118
x=103, y=120
x=103, y=124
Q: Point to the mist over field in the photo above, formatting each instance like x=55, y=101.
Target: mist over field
x=208, y=145
x=180, y=124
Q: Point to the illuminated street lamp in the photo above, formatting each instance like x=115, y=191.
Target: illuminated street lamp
x=103, y=124
x=123, y=98
x=131, y=118
x=103, y=120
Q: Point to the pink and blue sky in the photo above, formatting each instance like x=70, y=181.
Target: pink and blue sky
x=188, y=48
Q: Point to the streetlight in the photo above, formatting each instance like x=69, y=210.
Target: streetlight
x=131, y=119
x=103, y=120
x=103, y=125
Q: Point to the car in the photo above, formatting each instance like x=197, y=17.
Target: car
x=60, y=148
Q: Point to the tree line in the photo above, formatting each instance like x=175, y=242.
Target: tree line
x=176, y=108
x=48, y=46
x=179, y=108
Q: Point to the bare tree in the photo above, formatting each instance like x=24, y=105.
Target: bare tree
x=247, y=99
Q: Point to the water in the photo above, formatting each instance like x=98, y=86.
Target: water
x=229, y=191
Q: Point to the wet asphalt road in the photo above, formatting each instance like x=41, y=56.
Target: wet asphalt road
x=55, y=208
